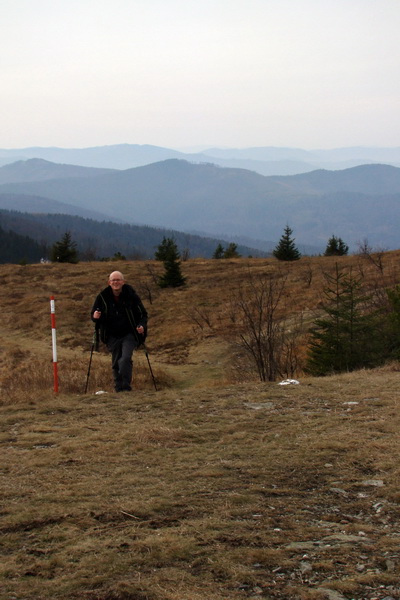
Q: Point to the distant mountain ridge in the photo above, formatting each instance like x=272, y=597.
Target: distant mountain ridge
x=38, y=169
x=357, y=203
x=366, y=179
x=183, y=196
x=266, y=160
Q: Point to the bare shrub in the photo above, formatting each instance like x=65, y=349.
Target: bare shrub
x=154, y=276
x=308, y=273
x=290, y=358
x=201, y=318
x=373, y=255
x=260, y=318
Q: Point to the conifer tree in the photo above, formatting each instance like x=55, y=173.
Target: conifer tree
x=336, y=247
x=347, y=337
x=231, y=251
x=218, y=252
x=65, y=250
x=169, y=254
x=393, y=322
x=168, y=248
x=118, y=256
x=286, y=248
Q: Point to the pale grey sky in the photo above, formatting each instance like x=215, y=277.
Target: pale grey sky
x=183, y=73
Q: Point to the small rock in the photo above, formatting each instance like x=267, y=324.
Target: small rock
x=378, y=507
x=390, y=565
x=305, y=567
x=257, y=590
x=344, y=538
x=259, y=405
x=331, y=594
x=373, y=482
x=339, y=491
x=302, y=545
x=289, y=382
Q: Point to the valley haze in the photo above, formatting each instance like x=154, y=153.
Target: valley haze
x=247, y=195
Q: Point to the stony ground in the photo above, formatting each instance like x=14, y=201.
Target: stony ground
x=245, y=491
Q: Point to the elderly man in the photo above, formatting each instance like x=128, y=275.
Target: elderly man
x=123, y=326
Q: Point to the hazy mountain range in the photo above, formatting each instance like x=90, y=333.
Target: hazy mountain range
x=263, y=160
x=356, y=204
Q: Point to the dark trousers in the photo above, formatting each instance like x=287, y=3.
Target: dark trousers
x=121, y=351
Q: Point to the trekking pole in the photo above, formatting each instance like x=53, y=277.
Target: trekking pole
x=95, y=346
x=151, y=370
x=141, y=343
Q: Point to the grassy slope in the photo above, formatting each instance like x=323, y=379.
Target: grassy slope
x=211, y=487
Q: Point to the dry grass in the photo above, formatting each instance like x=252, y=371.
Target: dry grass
x=209, y=488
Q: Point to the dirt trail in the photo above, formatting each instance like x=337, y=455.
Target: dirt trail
x=205, y=364
x=202, y=365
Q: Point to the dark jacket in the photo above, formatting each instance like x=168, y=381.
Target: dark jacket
x=118, y=318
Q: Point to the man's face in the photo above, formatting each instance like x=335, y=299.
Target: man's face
x=116, y=282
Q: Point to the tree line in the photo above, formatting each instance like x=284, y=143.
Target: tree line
x=286, y=248
x=17, y=247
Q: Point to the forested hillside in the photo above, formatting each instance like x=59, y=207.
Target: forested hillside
x=96, y=240
x=15, y=248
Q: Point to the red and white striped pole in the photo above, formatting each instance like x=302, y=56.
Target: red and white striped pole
x=54, y=341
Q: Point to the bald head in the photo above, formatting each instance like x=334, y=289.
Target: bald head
x=116, y=280
x=116, y=275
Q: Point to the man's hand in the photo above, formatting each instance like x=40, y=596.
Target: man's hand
x=97, y=314
x=140, y=329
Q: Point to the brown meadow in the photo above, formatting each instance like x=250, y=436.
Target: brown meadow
x=215, y=486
